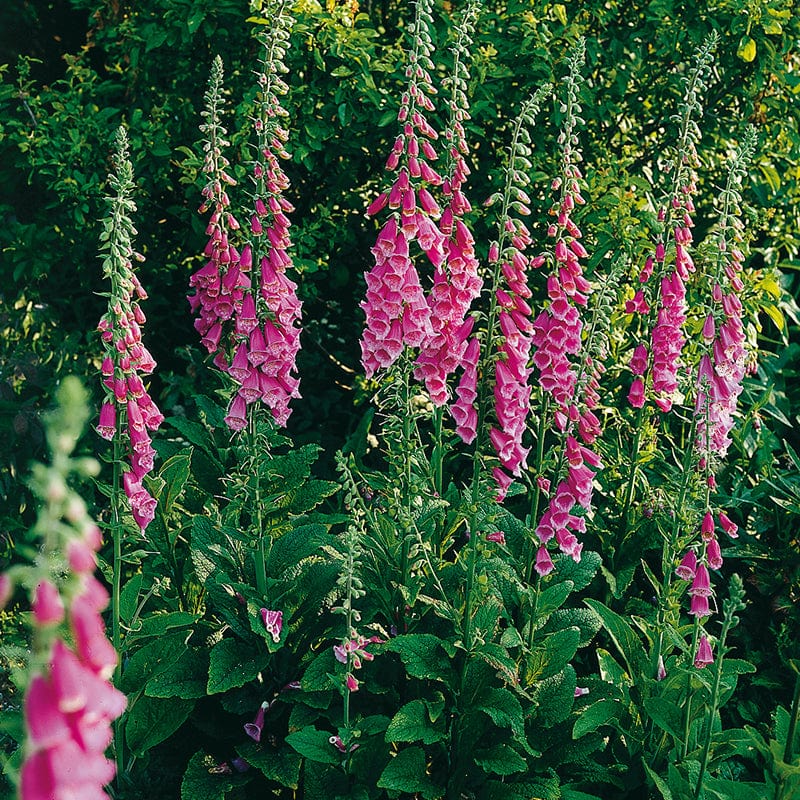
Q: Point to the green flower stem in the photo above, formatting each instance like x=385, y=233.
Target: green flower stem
x=631, y=484
x=116, y=587
x=260, y=555
x=438, y=451
x=530, y=544
x=670, y=548
x=788, y=753
x=688, y=715
x=727, y=624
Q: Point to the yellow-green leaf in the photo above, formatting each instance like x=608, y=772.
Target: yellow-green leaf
x=772, y=26
x=560, y=12
x=747, y=49
x=776, y=315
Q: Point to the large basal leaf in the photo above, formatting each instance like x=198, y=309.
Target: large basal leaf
x=595, y=715
x=151, y=720
x=500, y=759
x=299, y=543
x=186, y=677
x=406, y=773
x=423, y=656
x=412, y=724
x=623, y=636
x=158, y=624
x=314, y=745
x=552, y=654
x=233, y=664
x=281, y=766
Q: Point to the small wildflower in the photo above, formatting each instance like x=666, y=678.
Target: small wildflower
x=273, y=622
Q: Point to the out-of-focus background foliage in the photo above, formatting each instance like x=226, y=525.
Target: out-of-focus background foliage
x=72, y=70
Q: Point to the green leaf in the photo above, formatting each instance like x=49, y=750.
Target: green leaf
x=554, y=697
x=623, y=636
x=174, y=472
x=500, y=760
x=185, y=678
x=282, y=766
x=595, y=715
x=406, y=772
x=295, y=545
x=411, y=724
x=551, y=655
x=551, y=599
x=233, y=664
x=151, y=720
x=200, y=784
x=581, y=573
x=660, y=783
x=666, y=714
x=151, y=659
x=747, y=49
x=314, y=745
x=422, y=655
x=504, y=709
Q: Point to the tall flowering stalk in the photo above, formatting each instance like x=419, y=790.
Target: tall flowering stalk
x=397, y=313
x=509, y=322
x=719, y=381
x=128, y=413
x=661, y=300
x=568, y=377
x=668, y=267
x=220, y=284
x=70, y=704
x=268, y=329
x=456, y=283
x=249, y=313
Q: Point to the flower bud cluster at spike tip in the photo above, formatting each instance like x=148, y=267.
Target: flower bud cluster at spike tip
x=70, y=703
x=456, y=283
x=397, y=313
x=220, y=284
x=126, y=358
x=510, y=308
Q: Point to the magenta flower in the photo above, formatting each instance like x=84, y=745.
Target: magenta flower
x=496, y=536
x=544, y=564
x=273, y=622
x=688, y=567
x=253, y=729
x=704, y=654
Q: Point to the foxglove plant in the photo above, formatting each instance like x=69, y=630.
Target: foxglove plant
x=509, y=322
x=220, y=284
x=70, y=704
x=456, y=283
x=719, y=378
x=397, y=313
x=568, y=377
x=268, y=327
x=249, y=313
x=128, y=413
x=668, y=267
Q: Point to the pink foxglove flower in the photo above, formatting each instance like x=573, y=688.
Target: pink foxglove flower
x=253, y=729
x=397, y=314
x=69, y=704
x=273, y=623
x=704, y=655
x=128, y=410
x=219, y=284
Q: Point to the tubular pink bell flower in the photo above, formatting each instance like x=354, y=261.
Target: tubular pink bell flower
x=273, y=622
x=704, y=654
